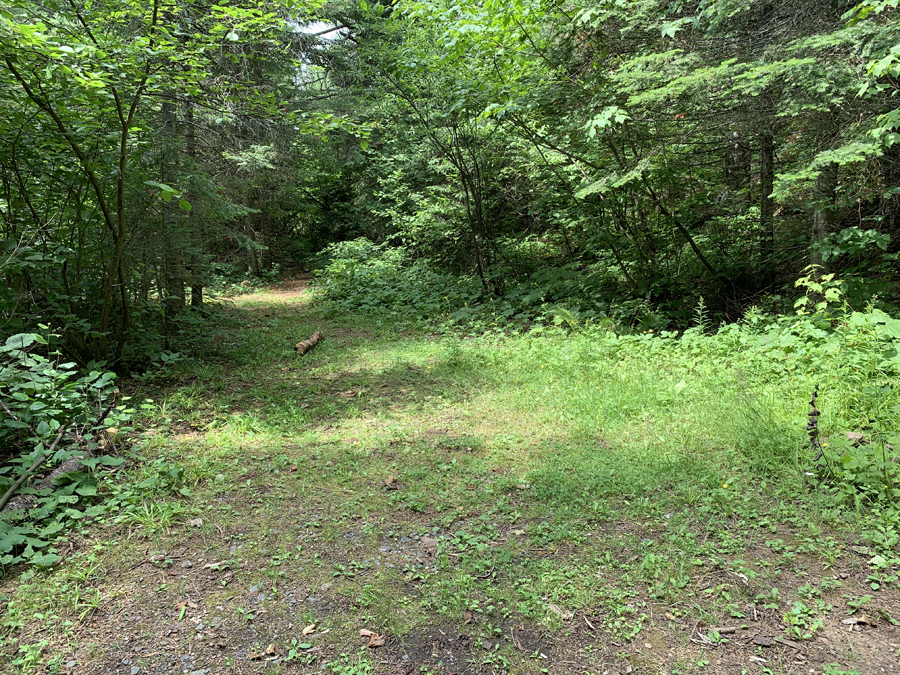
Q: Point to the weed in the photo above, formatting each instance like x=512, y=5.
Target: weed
x=856, y=604
x=350, y=665
x=802, y=621
x=838, y=669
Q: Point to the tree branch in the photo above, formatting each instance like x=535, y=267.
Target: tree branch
x=15, y=486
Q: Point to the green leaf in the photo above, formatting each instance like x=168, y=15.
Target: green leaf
x=185, y=205
x=94, y=511
x=111, y=461
x=45, y=560
x=10, y=539
x=23, y=340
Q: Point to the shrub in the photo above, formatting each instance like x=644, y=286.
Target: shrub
x=49, y=407
x=367, y=277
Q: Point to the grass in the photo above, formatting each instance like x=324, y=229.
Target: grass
x=552, y=502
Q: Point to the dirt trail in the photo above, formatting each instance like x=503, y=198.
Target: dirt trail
x=289, y=290
x=291, y=543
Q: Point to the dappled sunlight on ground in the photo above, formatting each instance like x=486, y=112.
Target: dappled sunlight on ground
x=480, y=505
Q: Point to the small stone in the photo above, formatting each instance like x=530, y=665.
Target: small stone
x=404, y=540
x=254, y=589
x=762, y=641
x=200, y=626
x=71, y=664
x=233, y=549
x=187, y=564
x=312, y=600
x=855, y=437
x=384, y=549
x=135, y=670
x=648, y=645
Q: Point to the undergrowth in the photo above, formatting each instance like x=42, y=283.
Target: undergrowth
x=755, y=366
x=569, y=467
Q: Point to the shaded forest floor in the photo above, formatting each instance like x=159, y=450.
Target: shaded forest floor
x=446, y=496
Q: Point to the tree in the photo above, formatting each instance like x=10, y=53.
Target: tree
x=94, y=81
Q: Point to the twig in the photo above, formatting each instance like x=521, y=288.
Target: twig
x=13, y=415
x=15, y=486
x=108, y=408
x=4, y=500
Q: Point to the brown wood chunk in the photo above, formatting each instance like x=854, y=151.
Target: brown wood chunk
x=302, y=347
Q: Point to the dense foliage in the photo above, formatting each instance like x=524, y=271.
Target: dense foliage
x=648, y=151
x=143, y=149
x=611, y=159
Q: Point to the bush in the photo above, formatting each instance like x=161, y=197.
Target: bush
x=49, y=406
x=853, y=356
x=366, y=277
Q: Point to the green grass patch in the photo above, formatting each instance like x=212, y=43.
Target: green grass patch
x=550, y=497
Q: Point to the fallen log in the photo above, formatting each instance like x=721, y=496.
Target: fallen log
x=302, y=347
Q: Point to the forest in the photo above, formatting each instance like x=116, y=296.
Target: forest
x=663, y=230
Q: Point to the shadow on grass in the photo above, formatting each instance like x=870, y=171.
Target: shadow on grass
x=363, y=388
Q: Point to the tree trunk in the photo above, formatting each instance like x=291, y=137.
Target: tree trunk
x=266, y=231
x=767, y=206
x=190, y=143
x=173, y=302
x=252, y=258
x=824, y=213
x=737, y=166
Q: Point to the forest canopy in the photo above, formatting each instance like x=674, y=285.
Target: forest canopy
x=616, y=160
